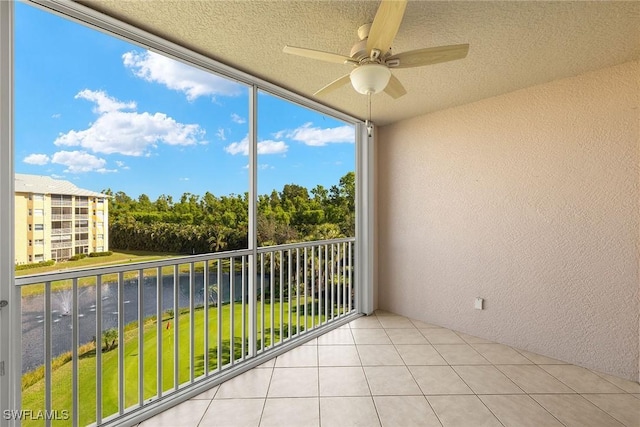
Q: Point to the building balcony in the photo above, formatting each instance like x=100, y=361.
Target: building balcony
x=61, y=244
x=61, y=217
x=81, y=242
x=57, y=231
x=58, y=202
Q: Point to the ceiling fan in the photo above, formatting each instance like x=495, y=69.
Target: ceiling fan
x=372, y=57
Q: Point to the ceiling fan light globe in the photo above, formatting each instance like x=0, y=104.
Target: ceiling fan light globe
x=370, y=78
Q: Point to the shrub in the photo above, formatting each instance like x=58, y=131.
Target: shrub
x=110, y=338
x=97, y=254
x=77, y=257
x=35, y=265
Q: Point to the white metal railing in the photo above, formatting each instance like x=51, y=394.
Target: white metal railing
x=61, y=217
x=63, y=202
x=171, y=324
x=61, y=230
x=61, y=244
x=81, y=242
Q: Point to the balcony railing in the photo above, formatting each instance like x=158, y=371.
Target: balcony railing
x=61, y=217
x=61, y=244
x=81, y=242
x=56, y=231
x=64, y=202
x=108, y=343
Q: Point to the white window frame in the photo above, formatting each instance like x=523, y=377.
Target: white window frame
x=10, y=355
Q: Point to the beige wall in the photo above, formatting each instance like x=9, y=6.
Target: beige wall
x=529, y=200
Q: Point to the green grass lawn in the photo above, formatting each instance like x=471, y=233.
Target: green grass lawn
x=123, y=257
x=33, y=395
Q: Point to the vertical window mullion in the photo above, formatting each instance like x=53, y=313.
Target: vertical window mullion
x=253, y=223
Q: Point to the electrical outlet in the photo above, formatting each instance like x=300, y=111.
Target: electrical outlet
x=479, y=304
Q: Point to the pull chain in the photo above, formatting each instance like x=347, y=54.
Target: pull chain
x=368, y=122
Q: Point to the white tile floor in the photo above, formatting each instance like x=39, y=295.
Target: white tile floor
x=387, y=370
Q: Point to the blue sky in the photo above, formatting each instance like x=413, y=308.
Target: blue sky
x=104, y=113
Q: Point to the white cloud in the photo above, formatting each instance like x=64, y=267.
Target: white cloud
x=104, y=103
x=264, y=147
x=56, y=116
x=280, y=134
x=36, y=159
x=80, y=161
x=122, y=165
x=127, y=132
x=237, y=119
x=220, y=134
x=183, y=179
x=318, y=137
x=176, y=75
x=272, y=147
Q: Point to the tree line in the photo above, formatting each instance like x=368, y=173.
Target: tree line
x=201, y=224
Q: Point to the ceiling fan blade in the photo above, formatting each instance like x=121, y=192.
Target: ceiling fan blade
x=385, y=25
x=334, y=85
x=318, y=54
x=428, y=56
x=394, y=88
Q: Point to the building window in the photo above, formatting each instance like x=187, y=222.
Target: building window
x=30, y=227
x=38, y=227
x=30, y=258
x=38, y=242
x=38, y=257
x=30, y=242
x=38, y=197
x=38, y=212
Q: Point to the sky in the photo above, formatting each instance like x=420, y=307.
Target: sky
x=104, y=113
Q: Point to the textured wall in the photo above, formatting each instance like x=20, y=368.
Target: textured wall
x=530, y=200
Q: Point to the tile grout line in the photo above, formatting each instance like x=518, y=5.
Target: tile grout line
x=264, y=403
x=365, y=373
x=414, y=379
x=506, y=376
x=205, y=411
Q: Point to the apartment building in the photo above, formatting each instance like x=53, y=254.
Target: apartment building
x=54, y=219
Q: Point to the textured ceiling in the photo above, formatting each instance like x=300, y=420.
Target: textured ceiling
x=513, y=45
